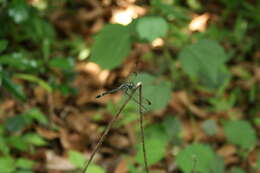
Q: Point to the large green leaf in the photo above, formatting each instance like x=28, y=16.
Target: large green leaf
x=7, y=164
x=200, y=158
x=79, y=160
x=204, y=60
x=155, y=137
x=221, y=79
x=111, y=46
x=24, y=163
x=18, y=143
x=237, y=170
x=156, y=90
x=210, y=127
x=4, y=149
x=17, y=123
x=172, y=126
x=241, y=133
x=149, y=28
x=95, y=169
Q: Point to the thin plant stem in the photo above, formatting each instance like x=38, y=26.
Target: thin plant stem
x=194, y=163
x=139, y=85
x=107, y=130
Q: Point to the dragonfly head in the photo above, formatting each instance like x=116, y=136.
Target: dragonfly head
x=131, y=85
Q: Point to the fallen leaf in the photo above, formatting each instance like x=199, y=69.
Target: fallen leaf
x=55, y=162
x=122, y=167
x=227, y=150
x=46, y=133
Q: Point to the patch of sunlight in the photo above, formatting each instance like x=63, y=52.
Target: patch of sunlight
x=199, y=23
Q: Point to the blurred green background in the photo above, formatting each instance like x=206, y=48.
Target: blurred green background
x=198, y=60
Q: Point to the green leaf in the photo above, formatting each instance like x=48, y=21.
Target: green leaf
x=17, y=123
x=3, y=45
x=79, y=161
x=35, y=79
x=46, y=46
x=237, y=170
x=36, y=114
x=202, y=156
x=221, y=79
x=3, y=146
x=13, y=88
x=153, y=155
x=34, y=139
x=204, y=60
x=156, y=90
x=18, y=61
x=218, y=165
x=18, y=143
x=111, y=46
x=7, y=164
x=258, y=162
x=76, y=158
x=62, y=63
x=172, y=126
x=24, y=163
x=38, y=30
x=210, y=127
x=155, y=137
x=172, y=12
x=18, y=11
x=241, y=133
x=95, y=169
x=149, y=28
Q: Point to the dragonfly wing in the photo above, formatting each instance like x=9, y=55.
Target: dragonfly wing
x=135, y=99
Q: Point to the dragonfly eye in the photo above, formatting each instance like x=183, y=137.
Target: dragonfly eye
x=131, y=85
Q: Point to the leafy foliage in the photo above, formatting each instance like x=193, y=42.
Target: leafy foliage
x=155, y=138
x=78, y=160
x=201, y=62
x=19, y=122
x=159, y=98
x=158, y=136
x=111, y=46
x=42, y=43
x=241, y=133
x=149, y=28
x=204, y=157
x=210, y=127
x=237, y=170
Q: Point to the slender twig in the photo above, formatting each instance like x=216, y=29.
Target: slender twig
x=107, y=130
x=139, y=85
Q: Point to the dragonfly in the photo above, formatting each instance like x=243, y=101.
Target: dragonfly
x=125, y=87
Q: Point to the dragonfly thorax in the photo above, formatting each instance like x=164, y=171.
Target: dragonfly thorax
x=128, y=85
